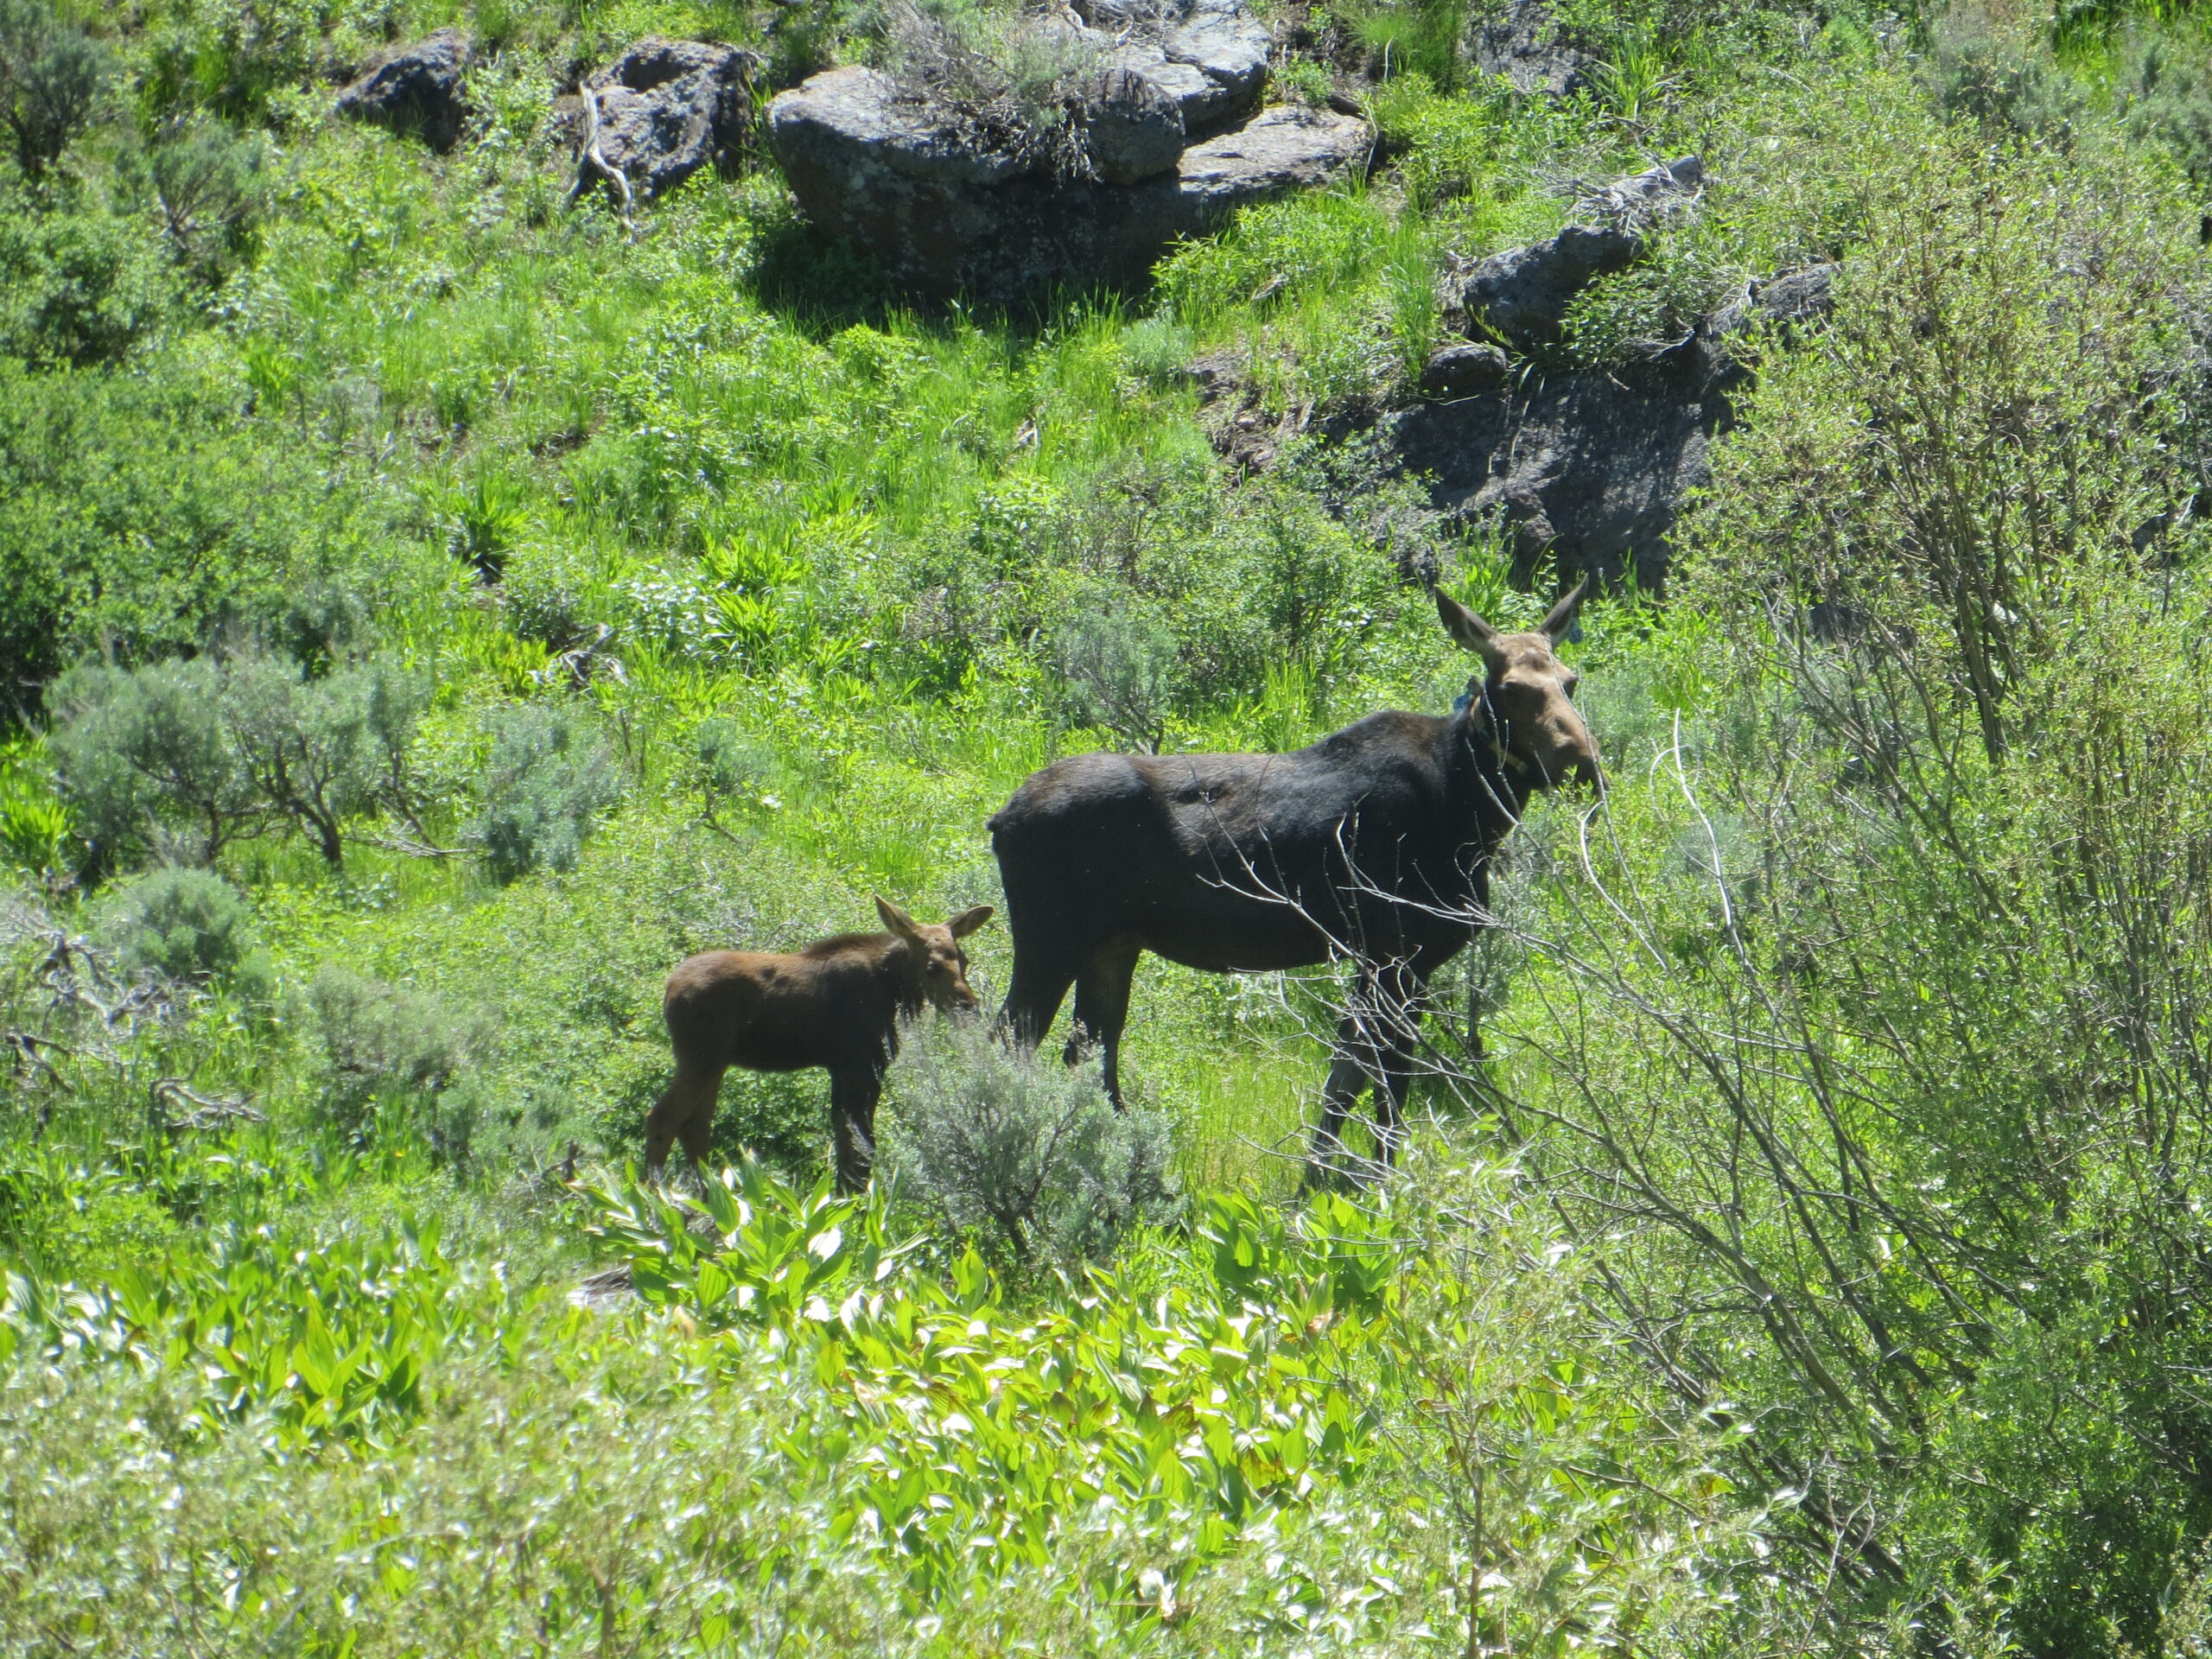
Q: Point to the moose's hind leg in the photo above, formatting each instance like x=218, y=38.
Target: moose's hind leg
x=685, y=1112
x=1101, y=1010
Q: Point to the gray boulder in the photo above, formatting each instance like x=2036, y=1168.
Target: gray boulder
x=1455, y=370
x=668, y=108
x=1520, y=42
x=907, y=181
x=418, y=88
x=1133, y=128
x=1522, y=294
x=1209, y=56
x=1587, y=466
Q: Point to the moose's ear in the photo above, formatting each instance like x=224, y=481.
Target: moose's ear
x=968, y=920
x=1563, y=614
x=897, y=920
x=1470, y=630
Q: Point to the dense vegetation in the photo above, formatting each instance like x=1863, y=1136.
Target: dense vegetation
x=428, y=609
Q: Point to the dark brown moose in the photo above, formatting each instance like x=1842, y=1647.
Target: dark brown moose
x=1374, y=845
x=836, y=1004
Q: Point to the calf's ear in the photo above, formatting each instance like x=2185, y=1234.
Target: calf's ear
x=968, y=920
x=1470, y=630
x=896, y=920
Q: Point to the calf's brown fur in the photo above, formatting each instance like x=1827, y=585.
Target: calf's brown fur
x=836, y=1004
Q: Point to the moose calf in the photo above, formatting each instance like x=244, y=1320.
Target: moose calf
x=836, y=1004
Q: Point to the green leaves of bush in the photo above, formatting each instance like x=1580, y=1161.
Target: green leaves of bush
x=185, y=924
x=546, y=783
x=1033, y=1155
x=187, y=757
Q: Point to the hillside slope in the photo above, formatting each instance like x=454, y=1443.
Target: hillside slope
x=437, y=601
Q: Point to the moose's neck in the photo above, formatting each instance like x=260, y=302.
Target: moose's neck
x=1481, y=769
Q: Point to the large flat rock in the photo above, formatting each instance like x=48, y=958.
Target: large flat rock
x=904, y=179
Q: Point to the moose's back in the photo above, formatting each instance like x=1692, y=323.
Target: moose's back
x=1225, y=862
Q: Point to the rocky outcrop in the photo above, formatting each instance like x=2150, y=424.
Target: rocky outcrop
x=910, y=181
x=1522, y=42
x=1588, y=467
x=668, y=108
x=418, y=88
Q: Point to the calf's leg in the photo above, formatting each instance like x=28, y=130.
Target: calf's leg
x=1102, y=1010
x=853, y=1095
x=685, y=1112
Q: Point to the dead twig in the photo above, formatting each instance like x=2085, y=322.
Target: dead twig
x=592, y=157
x=199, y=1111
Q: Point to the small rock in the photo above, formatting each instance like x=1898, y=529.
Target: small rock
x=1282, y=148
x=415, y=88
x=1523, y=293
x=1523, y=45
x=1467, y=367
x=668, y=108
x=1228, y=46
x=1797, y=298
x=1134, y=128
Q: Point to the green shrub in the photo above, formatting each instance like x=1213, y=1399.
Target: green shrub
x=140, y=513
x=1029, y=1153
x=210, y=185
x=51, y=78
x=191, y=756
x=184, y=923
x=79, y=288
x=321, y=751
x=546, y=783
x=392, y=1061
x=1118, y=668
x=145, y=762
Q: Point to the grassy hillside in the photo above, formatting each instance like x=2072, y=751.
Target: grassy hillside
x=1810, y=1257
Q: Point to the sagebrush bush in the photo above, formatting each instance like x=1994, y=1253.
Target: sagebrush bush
x=1118, y=668
x=187, y=924
x=546, y=783
x=391, y=1056
x=189, y=757
x=52, y=76
x=1028, y=1152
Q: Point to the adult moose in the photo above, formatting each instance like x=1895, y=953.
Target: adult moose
x=836, y=1004
x=1372, y=844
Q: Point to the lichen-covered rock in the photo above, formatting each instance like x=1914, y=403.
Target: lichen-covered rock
x=418, y=88
x=1132, y=129
x=668, y=108
x=1209, y=56
x=907, y=180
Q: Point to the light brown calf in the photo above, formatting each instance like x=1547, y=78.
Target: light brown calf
x=836, y=1004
